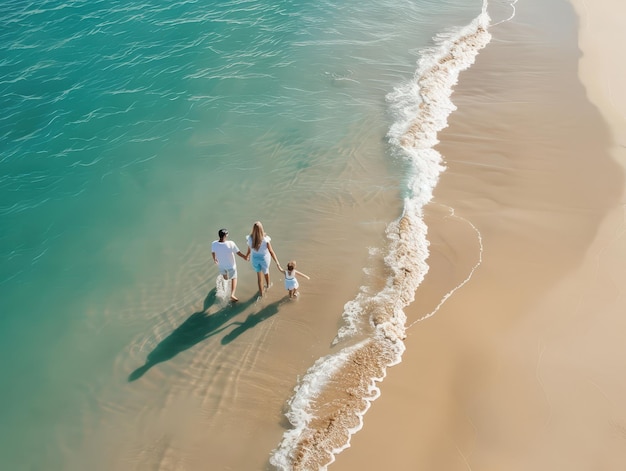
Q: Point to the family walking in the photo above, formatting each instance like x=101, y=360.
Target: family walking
x=260, y=254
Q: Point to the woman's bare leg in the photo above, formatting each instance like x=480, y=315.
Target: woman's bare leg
x=259, y=276
x=267, y=280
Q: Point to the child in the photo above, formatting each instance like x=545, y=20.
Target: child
x=291, y=282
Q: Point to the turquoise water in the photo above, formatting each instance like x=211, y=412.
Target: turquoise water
x=130, y=132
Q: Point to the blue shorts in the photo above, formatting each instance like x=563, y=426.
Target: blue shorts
x=261, y=263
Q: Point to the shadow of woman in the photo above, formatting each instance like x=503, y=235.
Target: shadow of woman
x=252, y=320
x=196, y=328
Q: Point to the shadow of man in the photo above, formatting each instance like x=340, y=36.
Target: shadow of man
x=252, y=320
x=196, y=328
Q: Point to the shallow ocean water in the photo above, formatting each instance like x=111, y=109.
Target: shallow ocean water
x=130, y=134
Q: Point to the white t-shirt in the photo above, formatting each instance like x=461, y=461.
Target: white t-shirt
x=225, y=253
x=263, y=250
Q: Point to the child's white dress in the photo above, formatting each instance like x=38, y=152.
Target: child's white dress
x=291, y=281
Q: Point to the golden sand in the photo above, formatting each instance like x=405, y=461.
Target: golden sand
x=522, y=367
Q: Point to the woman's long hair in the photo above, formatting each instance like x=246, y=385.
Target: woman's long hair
x=257, y=236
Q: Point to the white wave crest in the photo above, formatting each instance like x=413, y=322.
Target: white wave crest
x=421, y=108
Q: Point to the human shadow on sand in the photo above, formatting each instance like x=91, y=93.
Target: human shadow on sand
x=252, y=320
x=196, y=328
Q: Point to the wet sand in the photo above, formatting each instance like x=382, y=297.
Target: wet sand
x=521, y=368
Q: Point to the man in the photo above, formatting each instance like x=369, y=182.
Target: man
x=223, y=252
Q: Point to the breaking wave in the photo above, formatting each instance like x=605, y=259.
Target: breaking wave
x=329, y=402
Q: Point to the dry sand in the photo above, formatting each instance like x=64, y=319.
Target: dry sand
x=523, y=367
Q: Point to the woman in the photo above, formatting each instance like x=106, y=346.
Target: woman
x=262, y=255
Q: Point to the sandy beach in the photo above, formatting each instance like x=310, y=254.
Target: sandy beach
x=132, y=135
x=521, y=367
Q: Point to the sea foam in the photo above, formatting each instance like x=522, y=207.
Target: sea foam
x=329, y=402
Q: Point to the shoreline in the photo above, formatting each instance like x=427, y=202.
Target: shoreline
x=515, y=370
